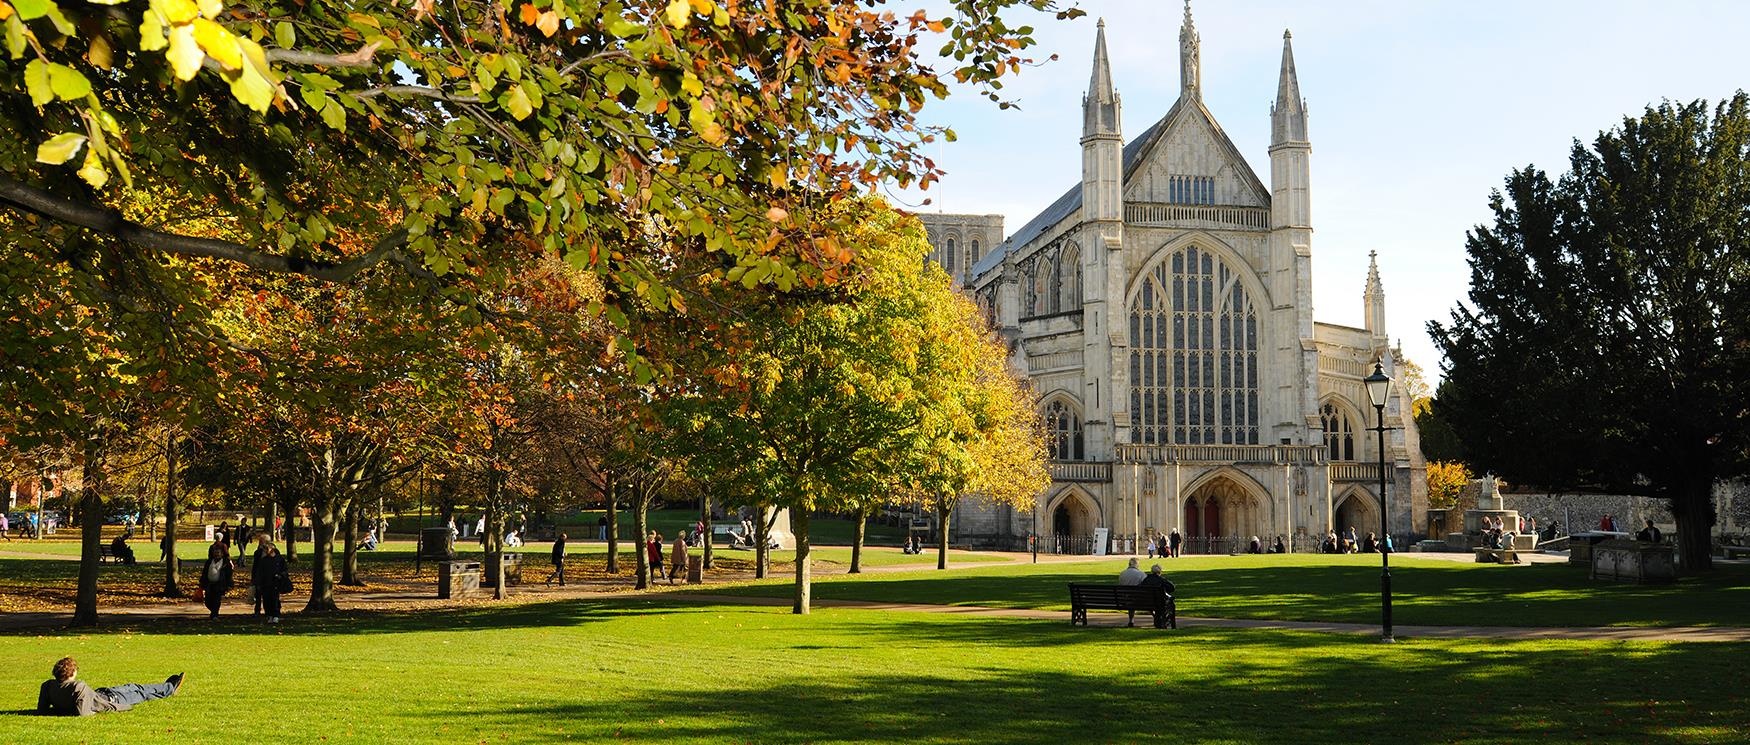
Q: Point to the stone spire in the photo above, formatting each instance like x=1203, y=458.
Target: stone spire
x=1288, y=115
x=1373, y=301
x=1100, y=105
x=1190, y=64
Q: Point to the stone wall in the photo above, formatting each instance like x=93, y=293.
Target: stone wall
x=1731, y=499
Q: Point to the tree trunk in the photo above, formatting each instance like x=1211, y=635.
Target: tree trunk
x=613, y=498
x=857, y=534
x=641, y=528
x=90, y=534
x=494, y=543
x=290, y=509
x=804, y=563
x=705, y=517
x=943, y=510
x=322, y=514
x=1694, y=510
x=172, y=565
x=349, y=562
x=762, y=553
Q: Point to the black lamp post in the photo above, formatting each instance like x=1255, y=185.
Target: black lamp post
x=1378, y=388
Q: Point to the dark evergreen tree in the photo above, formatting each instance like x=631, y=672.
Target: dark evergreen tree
x=1604, y=344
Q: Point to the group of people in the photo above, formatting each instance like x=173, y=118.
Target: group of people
x=1347, y=543
x=678, y=556
x=268, y=575
x=26, y=529
x=1279, y=547
x=1165, y=546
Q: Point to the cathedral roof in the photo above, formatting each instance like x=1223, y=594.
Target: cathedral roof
x=1136, y=153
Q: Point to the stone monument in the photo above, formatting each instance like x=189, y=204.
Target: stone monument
x=1490, y=505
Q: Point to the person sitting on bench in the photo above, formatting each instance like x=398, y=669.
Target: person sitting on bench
x=123, y=552
x=67, y=696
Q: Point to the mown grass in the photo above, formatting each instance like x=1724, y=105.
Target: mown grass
x=1333, y=588
x=657, y=671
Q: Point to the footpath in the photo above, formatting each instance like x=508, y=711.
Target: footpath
x=416, y=597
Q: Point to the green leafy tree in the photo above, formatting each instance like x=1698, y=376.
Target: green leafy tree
x=1604, y=345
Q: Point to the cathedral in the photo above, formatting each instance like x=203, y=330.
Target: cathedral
x=1162, y=309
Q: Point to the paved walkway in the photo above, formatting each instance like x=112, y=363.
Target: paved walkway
x=1593, y=633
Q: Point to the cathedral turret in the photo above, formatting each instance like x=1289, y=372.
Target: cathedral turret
x=1100, y=238
x=1102, y=139
x=1291, y=221
x=1190, y=62
x=1373, y=303
x=1291, y=203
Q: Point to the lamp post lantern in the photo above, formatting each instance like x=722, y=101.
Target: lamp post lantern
x=1378, y=388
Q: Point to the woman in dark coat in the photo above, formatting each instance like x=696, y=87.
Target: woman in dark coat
x=269, y=575
x=216, y=576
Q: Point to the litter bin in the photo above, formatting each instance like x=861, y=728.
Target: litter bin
x=695, y=570
x=458, y=578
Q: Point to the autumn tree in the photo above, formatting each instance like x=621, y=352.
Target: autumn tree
x=1446, y=484
x=1604, y=344
x=875, y=386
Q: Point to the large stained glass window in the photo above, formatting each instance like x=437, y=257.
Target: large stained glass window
x=1193, y=354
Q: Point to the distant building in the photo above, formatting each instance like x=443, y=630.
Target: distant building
x=1163, y=309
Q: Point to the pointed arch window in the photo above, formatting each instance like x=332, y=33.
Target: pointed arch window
x=1066, y=291
x=1193, y=354
x=1339, y=434
x=950, y=258
x=1065, y=426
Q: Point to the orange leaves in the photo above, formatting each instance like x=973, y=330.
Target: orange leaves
x=546, y=22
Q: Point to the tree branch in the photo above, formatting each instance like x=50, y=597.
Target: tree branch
x=110, y=222
x=415, y=90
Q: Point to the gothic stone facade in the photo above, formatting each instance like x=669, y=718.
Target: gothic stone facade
x=1162, y=309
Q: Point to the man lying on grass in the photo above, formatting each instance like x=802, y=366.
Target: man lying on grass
x=67, y=697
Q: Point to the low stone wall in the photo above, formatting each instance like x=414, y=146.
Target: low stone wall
x=1731, y=500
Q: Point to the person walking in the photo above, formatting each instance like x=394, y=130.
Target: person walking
x=261, y=545
x=653, y=552
x=5, y=527
x=558, y=559
x=271, y=578
x=1174, y=539
x=216, y=576
x=678, y=557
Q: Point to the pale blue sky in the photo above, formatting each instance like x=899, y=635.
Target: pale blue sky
x=1418, y=110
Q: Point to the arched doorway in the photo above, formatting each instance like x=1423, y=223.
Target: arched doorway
x=1355, y=509
x=1222, y=515
x=1072, y=524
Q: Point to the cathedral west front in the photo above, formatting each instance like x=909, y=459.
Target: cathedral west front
x=1162, y=308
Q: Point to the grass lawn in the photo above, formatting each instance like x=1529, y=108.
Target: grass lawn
x=655, y=671
x=1312, y=587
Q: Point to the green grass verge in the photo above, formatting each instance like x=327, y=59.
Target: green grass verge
x=653, y=671
x=1333, y=588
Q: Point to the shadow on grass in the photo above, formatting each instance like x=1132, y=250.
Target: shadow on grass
x=1208, y=685
x=483, y=616
x=1424, y=593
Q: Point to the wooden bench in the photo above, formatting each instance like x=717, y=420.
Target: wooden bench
x=1733, y=552
x=1155, y=601
x=105, y=554
x=1497, y=556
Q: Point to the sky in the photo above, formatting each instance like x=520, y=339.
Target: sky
x=1417, y=111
